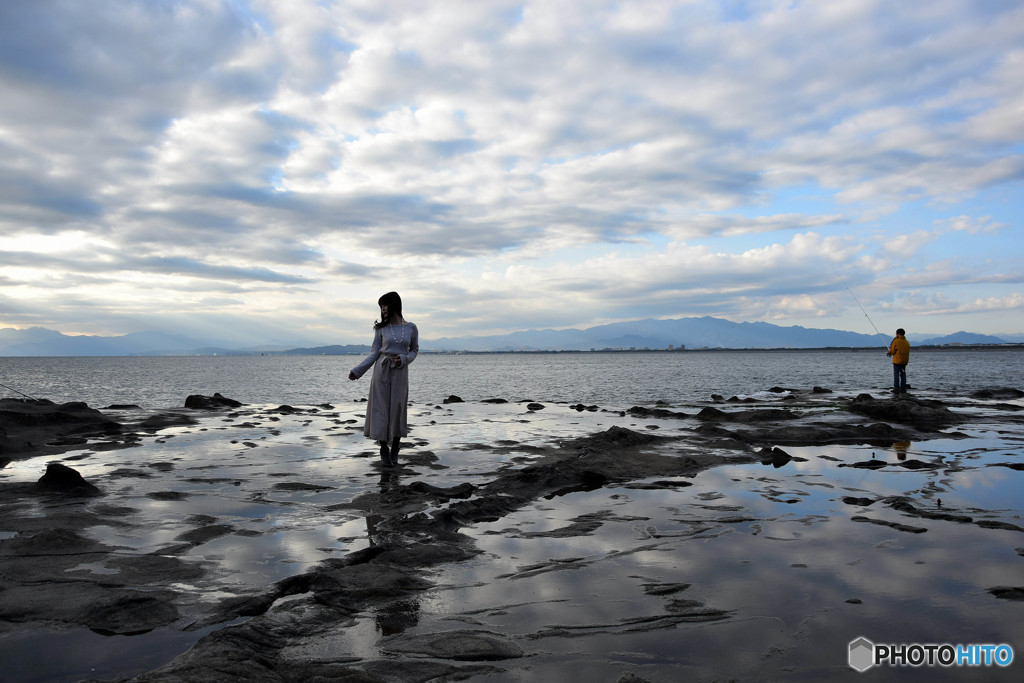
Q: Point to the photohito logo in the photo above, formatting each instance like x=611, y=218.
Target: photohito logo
x=863, y=654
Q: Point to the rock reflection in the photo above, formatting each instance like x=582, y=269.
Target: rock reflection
x=391, y=618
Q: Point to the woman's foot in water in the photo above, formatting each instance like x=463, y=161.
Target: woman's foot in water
x=385, y=455
x=395, y=445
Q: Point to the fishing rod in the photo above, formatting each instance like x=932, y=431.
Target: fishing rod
x=859, y=305
x=18, y=392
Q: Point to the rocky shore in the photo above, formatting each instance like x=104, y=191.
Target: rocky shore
x=516, y=541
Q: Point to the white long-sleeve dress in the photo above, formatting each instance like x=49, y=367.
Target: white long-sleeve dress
x=387, y=406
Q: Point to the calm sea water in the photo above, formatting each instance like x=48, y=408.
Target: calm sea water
x=606, y=379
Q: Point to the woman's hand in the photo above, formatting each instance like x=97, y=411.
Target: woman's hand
x=396, y=361
x=352, y=375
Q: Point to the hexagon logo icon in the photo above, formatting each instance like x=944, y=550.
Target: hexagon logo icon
x=862, y=654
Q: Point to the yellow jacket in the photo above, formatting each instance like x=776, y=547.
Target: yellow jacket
x=900, y=351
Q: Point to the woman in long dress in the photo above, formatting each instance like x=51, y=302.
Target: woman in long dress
x=395, y=346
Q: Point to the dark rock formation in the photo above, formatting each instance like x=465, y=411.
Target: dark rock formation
x=998, y=392
x=927, y=415
x=776, y=457
x=155, y=423
x=200, y=402
x=63, y=479
x=758, y=415
x=42, y=426
x=1008, y=592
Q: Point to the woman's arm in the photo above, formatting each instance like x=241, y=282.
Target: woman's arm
x=368, y=362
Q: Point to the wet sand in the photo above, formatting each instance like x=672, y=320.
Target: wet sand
x=718, y=540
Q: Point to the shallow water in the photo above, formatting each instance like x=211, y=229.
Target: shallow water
x=771, y=555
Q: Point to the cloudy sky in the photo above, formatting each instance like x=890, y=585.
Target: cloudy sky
x=262, y=170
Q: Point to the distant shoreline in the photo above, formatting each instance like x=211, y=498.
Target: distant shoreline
x=1010, y=346
x=944, y=347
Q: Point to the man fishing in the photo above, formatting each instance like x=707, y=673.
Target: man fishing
x=899, y=351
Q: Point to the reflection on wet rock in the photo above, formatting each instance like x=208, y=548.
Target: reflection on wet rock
x=462, y=645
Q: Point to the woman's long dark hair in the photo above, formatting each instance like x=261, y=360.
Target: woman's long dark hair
x=394, y=303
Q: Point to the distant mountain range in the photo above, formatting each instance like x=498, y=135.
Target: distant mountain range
x=39, y=341
x=688, y=333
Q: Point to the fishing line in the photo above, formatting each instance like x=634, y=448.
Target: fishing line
x=18, y=392
x=861, y=307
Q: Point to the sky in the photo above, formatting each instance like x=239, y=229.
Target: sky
x=261, y=171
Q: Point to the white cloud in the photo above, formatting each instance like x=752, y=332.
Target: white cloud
x=627, y=158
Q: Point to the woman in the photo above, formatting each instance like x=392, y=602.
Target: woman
x=395, y=345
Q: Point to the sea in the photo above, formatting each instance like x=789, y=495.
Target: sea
x=608, y=379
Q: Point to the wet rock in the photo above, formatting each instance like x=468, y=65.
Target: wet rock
x=205, y=533
x=894, y=525
x=776, y=457
x=584, y=525
x=664, y=588
x=928, y=415
x=867, y=464
x=641, y=411
x=350, y=587
x=994, y=524
x=63, y=479
x=453, y=399
x=200, y=402
x=615, y=437
x=462, y=645
x=919, y=465
x=494, y=401
x=535, y=406
x=129, y=473
x=904, y=505
x=694, y=611
x=131, y=613
x=1019, y=466
x=1008, y=592
x=464, y=490
x=759, y=415
x=998, y=393
x=821, y=390
x=49, y=542
x=853, y=500
x=657, y=485
x=630, y=677
x=39, y=425
x=155, y=423
x=300, y=486
x=123, y=406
